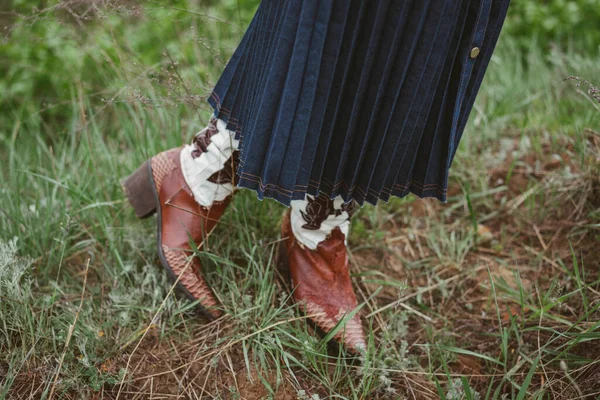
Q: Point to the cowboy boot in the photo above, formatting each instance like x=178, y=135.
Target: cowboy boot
x=189, y=188
x=315, y=233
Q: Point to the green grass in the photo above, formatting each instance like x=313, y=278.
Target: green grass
x=493, y=295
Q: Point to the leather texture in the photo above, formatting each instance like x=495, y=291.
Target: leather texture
x=183, y=221
x=322, y=285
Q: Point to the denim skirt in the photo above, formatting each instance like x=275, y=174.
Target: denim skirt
x=365, y=99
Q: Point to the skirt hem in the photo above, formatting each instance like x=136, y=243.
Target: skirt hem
x=314, y=188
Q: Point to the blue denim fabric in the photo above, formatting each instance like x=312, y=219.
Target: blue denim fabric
x=365, y=99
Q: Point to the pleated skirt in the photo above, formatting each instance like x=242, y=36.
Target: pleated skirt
x=364, y=99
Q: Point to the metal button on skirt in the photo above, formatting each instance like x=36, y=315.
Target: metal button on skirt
x=364, y=99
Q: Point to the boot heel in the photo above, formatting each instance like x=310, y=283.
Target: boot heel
x=139, y=190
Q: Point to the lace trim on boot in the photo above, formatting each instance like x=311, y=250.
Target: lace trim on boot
x=208, y=165
x=313, y=219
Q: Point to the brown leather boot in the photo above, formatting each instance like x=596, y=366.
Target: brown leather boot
x=320, y=276
x=159, y=186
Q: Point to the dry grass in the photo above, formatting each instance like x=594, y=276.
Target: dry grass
x=494, y=295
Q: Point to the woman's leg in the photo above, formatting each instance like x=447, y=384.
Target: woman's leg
x=315, y=232
x=189, y=188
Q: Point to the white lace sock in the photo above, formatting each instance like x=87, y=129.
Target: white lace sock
x=313, y=219
x=207, y=165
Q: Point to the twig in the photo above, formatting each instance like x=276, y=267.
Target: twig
x=539, y=236
x=420, y=314
x=421, y=291
x=147, y=329
x=71, y=330
x=187, y=90
x=226, y=346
